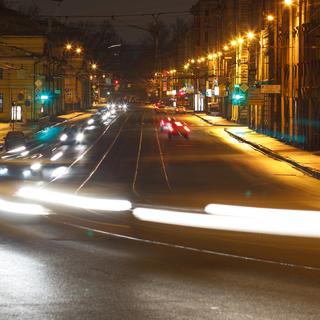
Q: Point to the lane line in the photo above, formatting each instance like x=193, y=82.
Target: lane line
x=103, y=157
x=107, y=224
x=192, y=249
x=162, y=160
x=138, y=157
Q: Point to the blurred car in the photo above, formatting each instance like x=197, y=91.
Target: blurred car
x=165, y=123
x=160, y=107
x=180, y=109
x=178, y=128
x=14, y=140
x=71, y=135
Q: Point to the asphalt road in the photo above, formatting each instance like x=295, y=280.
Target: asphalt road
x=80, y=264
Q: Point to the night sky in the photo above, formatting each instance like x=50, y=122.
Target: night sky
x=114, y=7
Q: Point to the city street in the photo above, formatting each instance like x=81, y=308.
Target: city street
x=80, y=263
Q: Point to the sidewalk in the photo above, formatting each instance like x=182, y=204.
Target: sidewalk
x=216, y=121
x=306, y=161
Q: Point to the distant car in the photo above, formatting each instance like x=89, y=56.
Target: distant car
x=180, y=109
x=160, y=107
x=71, y=135
x=178, y=128
x=14, y=140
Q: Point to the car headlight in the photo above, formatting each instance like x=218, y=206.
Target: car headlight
x=79, y=137
x=63, y=137
x=90, y=122
x=36, y=166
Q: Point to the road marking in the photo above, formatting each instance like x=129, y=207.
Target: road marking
x=103, y=157
x=138, y=157
x=96, y=222
x=202, y=251
x=162, y=160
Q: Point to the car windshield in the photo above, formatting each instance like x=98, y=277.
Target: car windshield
x=159, y=159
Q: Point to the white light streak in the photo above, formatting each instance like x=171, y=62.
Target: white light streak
x=57, y=156
x=22, y=208
x=75, y=201
x=240, y=219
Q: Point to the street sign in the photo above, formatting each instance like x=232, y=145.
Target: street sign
x=270, y=88
x=244, y=87
x=38, y=83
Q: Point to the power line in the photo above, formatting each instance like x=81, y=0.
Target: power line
x=114, y=16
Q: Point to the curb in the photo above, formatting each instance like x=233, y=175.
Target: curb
x=309, y=171
x=217, y=124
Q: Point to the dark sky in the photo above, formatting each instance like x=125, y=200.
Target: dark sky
x=108, y=7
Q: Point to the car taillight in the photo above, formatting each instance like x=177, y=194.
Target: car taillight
x=162, y=122
x=186, y=128
x=170, y=129
x=178, y=123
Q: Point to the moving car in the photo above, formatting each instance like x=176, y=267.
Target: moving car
x=180, y=109
x=14, y=140
x=160, y=107
x=71, y=135
x=165, y=123
x=172, y=126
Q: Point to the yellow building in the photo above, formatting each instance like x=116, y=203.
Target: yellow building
x=21, y=77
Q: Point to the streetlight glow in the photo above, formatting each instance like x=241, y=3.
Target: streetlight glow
x=219, y=53
x=210, y=56
x=240, y=41
x=270, y=17
x=68, y=46
x=288, y=2
x=78, y=50
x=250, y=35
x=233, y=43
x=94, y=66
x=225, y=48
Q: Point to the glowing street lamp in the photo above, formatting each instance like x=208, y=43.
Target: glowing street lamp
x=94, y=66
x=250, y=35
x=233, y=43
x=219, y=54
x=78, y=50
x=288, y=3
x=68, y=46
x=210, y=56
x=226, y=48
x=240, y=40
x=270, y=17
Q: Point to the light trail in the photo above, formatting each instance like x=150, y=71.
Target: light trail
x=23, y=208
x=71, y=200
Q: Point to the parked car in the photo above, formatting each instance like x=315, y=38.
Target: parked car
x=14, y=140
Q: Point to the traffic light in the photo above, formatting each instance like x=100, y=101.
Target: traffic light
x=239, y=97
x=116, y=82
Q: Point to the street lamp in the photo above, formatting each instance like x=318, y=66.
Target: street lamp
x=94, y=66
x=226, y=48
x=270, y=17
x=288, y=2
x=250, y=35
x=79, y=50
x=233, y=43
x=68, y=46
